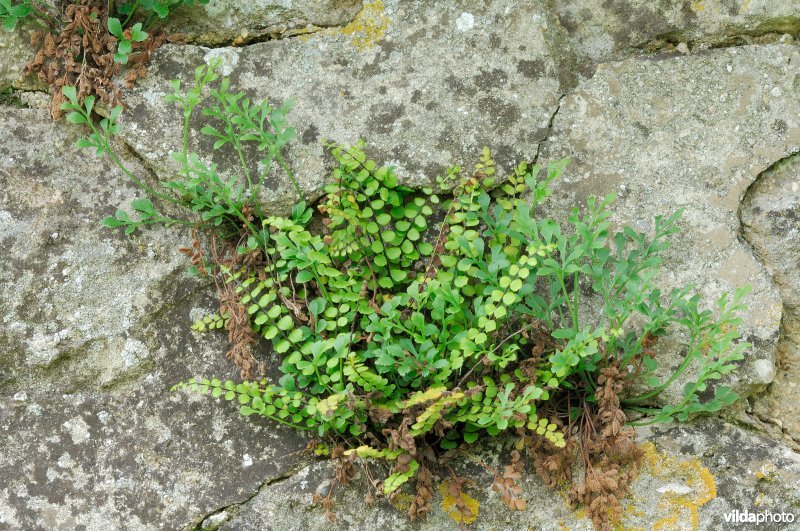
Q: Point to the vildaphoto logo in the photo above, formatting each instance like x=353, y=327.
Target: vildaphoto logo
x=760, y=517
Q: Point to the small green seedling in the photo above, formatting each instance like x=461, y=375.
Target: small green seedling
x=126, y=38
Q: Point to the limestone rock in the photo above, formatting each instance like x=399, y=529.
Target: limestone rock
x=84, y=309
x=144, y=460
x=687, y=132
x=426, y=84
x=15, y=52
x=94, y=326
x=74, y=296
x=771, y=218
x=224, y=21
x=601, y=29
x=702, y=470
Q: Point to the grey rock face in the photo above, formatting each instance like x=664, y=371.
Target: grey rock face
x=700, y=470
x=84, y=309
x=770, y=214
x=15, y=52
x=720, y=468
x=771, y=217
x=143, y=461
x=687, y=132
x=73, y=295
x=225, y=21
x=602, y=29
x=429, y=90
x=94, y=326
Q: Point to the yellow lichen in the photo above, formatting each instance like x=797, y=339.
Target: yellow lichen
x=703, y=482
x=680, y=510
x=449, y=505
x=767, y=472
x=666, y=523
x=369, y=26
x=652, y=459
x=633, y=511
x=366, y=29
x=630, y=511
x=401, y=501
x=760, y=499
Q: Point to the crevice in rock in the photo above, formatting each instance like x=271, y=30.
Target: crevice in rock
x=745, y=199
x=11, y=105
x=275, y=35
x=549, y=130
x=151, y=177
x=766, y=34
x=131, y=152
x=772, y=426
x=667, y=47
x=213, y=520
x=15, y=98
x=774, y=429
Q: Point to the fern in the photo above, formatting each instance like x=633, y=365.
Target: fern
x=411, y=321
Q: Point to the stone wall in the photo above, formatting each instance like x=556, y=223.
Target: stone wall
x=691, y=104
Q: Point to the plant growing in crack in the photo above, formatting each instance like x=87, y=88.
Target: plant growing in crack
x=412, y=323
x=85, y=43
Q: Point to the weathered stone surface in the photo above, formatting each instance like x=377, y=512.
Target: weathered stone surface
x=694, y=472
x=85, y=309
x=601, y=29
x=725, y=467
x=94, y=326
x=225, y=21
x=771, y=218
x=427, y=84
x=146, y=460
x=688, y=132
x=74, y=296
x=15, y=52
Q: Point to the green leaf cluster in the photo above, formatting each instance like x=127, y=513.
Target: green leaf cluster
x=152, y=10
x=12, y=13
x=35, y=12
x=208, y=199
x=445, y=313
x=403, y=307
x=210, y=322
x=146, y=13
x=125, y=38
